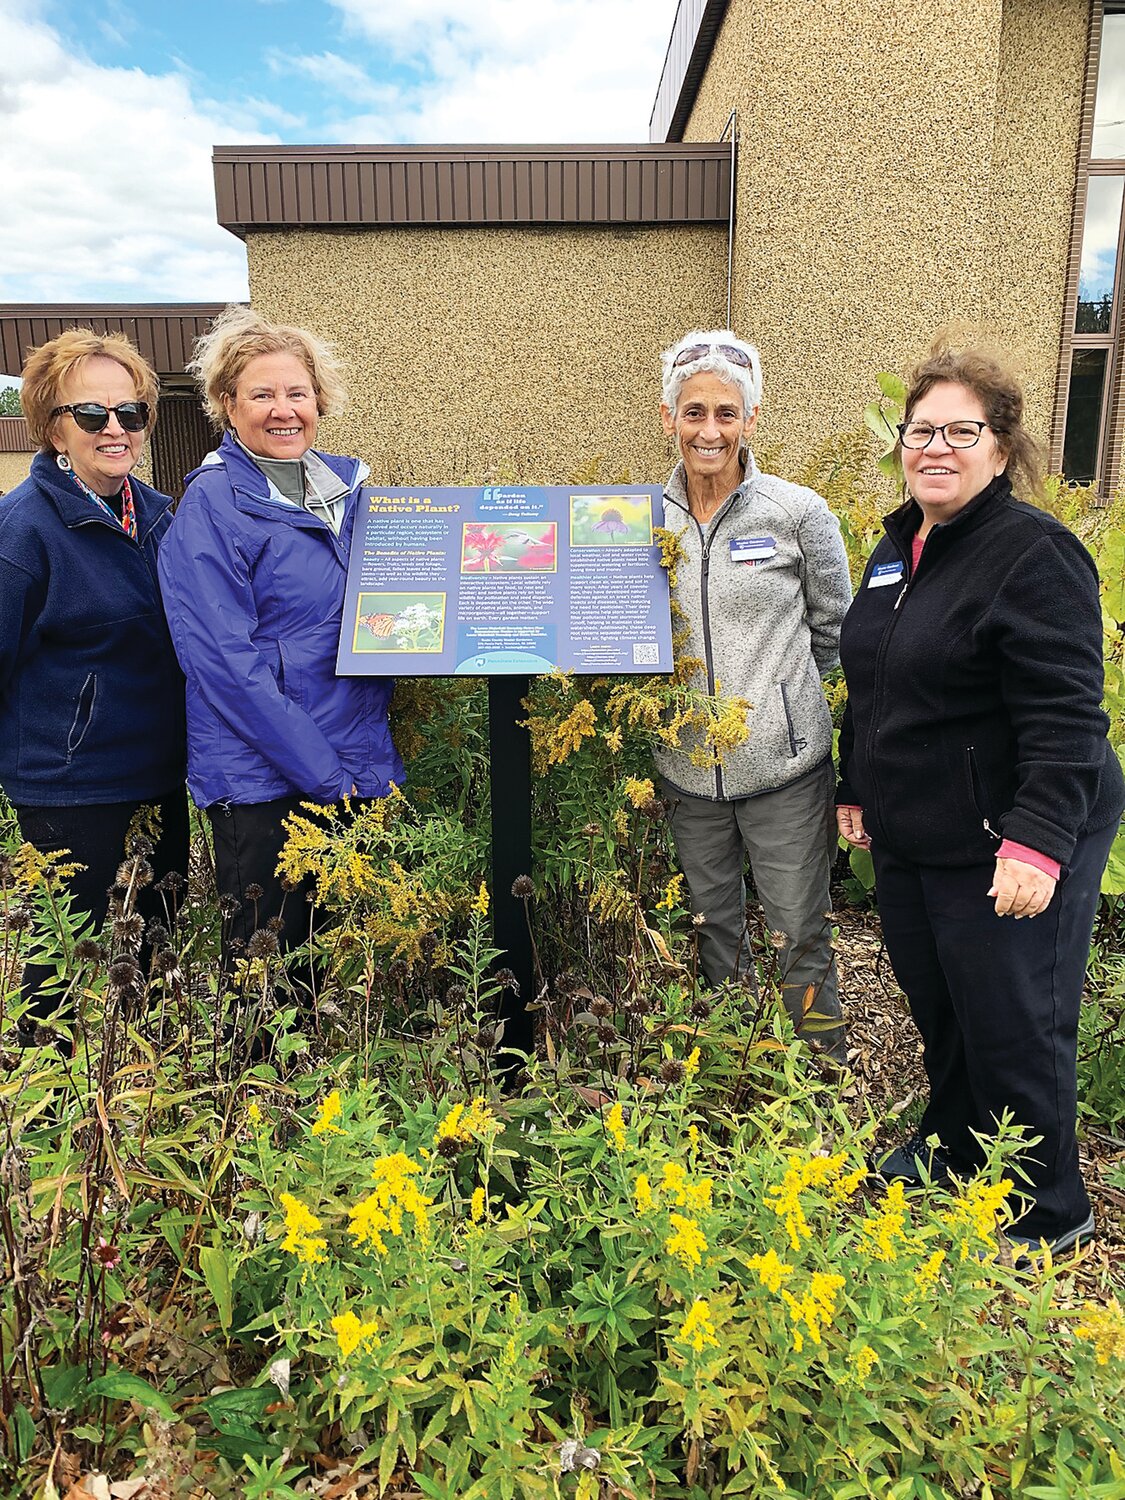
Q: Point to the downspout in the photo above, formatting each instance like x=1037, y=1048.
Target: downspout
x=732, y=126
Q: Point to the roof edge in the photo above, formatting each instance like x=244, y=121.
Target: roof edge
x=694, y=32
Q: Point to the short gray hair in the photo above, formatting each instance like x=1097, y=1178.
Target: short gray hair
x=747, y=379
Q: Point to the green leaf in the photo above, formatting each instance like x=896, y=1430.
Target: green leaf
x=215, y=1266
x=23, y=1433
x=120, y=1385
x=877, y=421
x=892, y=386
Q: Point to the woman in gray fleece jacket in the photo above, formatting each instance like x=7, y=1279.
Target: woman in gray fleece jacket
x=762, y=587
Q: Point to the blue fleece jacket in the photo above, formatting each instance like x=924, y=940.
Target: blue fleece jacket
x=91, y=697
x=254, y=589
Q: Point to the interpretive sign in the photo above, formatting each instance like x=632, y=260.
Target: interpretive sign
x=506, y=581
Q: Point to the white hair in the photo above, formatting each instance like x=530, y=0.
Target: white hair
x=748, y=379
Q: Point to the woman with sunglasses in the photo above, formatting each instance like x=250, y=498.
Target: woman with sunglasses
x=974, y=763
x=91, y=697
x=253, y=574
x=761, y=588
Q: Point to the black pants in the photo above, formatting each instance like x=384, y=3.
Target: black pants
x=248, y=843
x=996, y=1001
x=95, y=836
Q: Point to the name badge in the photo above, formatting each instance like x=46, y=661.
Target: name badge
x=752, y=549
x=883, y=574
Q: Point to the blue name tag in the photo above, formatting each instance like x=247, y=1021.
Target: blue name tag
x=884, y=573
x=752, y=548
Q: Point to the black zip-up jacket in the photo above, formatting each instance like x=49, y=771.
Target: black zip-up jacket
x=975, y=686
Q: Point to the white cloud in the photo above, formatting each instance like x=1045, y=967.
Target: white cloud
x=507, y=70
x=108, y=192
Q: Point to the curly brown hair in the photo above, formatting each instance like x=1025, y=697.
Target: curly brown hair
x=1001, y=396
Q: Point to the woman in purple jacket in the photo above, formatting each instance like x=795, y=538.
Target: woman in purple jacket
x=253, y=573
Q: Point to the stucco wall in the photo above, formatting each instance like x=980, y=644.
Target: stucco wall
x=14, y=468
x=514, y=353
x=891, y=181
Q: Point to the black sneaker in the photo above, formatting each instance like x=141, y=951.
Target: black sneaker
x=1024, y=1246
x=914, y=1161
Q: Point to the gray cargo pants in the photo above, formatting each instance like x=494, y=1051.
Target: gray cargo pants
x=790, y=836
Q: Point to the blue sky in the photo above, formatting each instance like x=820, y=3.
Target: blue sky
x=109, y=110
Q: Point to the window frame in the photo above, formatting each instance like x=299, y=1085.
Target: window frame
x=1111, y=423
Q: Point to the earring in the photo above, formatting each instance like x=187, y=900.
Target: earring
x=63, y=462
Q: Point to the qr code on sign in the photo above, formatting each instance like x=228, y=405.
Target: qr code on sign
x=645, y=653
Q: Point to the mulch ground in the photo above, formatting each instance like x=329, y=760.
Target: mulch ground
x=886, y=1058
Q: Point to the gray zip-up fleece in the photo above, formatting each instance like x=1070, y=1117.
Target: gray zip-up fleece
x=763, y=588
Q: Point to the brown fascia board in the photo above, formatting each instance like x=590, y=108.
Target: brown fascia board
x=341, y=187
x=693, y=36
x=164, y=332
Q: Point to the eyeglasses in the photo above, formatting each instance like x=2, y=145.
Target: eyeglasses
x=732, y=352
x=956, y=434
x=92, y=416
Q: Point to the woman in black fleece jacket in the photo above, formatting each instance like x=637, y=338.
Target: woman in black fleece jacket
x=974, y=763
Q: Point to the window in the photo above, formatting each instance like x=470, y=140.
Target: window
x=1094, y=427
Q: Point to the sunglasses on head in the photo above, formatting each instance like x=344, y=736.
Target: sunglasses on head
x=92, y=416
x=699, y=351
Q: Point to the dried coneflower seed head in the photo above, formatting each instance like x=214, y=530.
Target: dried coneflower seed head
x=606, y=1034
x=600, y=1007
x=507, y=980
x=672, y=1070
x=262, y=944
x=144, y=873
x=254, y=891
x=523, y=887
x=129, y=929
x=486, y=1038
x=170, y=883
x=654, y=808
x=700, y=1008
x=123, y=971
x=449, y=1146
x=229, y=906
x=455, y=995
x=87, y=950
x=124, y=877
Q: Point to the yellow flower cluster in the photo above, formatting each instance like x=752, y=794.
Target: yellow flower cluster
x=698, y=1330
x=1104, y=1327
x=329, y=1111
x=773, y=1272
x=811, y=1172
x=642, y=1194
x=350, y=1333
x=480, y=901
x=672, y=894
x=863, y=1361
x=462, y=1124
x=671, y=551
x=637, y=792
x=301, y=1238
x=568, y=735
x=686, y=1194
x=478, y=1205
x=815, y=1309
x=974, y=1212
x=687, y=1240
x=396, y=1193
x=881, y=1233
x=31, y=868
x=926, y=1276
x=615, y=1126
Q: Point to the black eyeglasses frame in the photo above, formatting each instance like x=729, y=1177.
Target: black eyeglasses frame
x=132, y=415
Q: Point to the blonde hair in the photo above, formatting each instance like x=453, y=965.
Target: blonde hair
x=49, y=366
x=237, y=336
x=1000, y=394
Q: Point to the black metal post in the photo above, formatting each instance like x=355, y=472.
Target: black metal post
x=510, y=782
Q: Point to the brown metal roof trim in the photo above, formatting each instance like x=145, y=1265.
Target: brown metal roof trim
x=326, y=187
x=163, y=332
x=689, y=51
x=14, y=436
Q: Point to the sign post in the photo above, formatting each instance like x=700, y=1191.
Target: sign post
x=507, y=584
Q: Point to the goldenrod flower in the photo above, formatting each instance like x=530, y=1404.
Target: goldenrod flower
x=615, y=1126
x=815, y=1309
x=693, y=1138
x=926, y=1276
x=330, y=1108
x=614, y=738
x=697, y=1195
x=462, y=1123
x=301, y=1238
x=477, y=1205
x=975, y=1212
x=254, y=1114
x=569, y=734
x=887, y=1228
x=480, y=901
x=637, y=793
x=350, y=1333
x=672, y=894
x=642, y=1194
x=1104, y=1327
x=691, y=1063
x=698, y=1330
x=396, y=1193
x=772, y=1272
x=686, y=1241
x=863, y=1361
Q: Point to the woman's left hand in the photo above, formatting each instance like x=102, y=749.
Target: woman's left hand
x=1021, y=890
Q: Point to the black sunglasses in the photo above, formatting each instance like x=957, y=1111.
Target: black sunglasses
x=92, y=416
